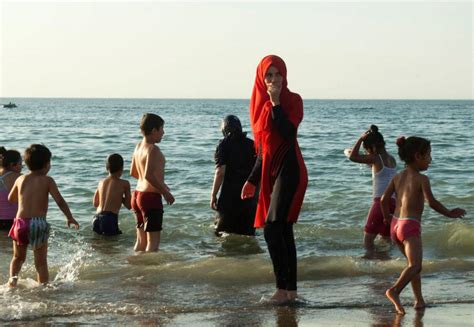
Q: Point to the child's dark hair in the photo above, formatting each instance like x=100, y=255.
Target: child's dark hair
x=114, y=163
x=9, y=157
x=37, y=156
x=408, y=147
x=374, y=138
x=150, y=121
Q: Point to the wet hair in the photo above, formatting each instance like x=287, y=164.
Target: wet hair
x=374, y=138
x=231, y=124
x=409, y=147
x=37, y=156
x=9, y=157
x=150, y=121
x=114, y=163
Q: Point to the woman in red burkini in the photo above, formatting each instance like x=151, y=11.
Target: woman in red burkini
x=275, y=114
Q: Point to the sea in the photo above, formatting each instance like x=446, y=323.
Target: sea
x=198, y=279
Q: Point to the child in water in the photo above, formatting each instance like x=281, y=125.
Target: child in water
x=111, y=193
x=412, y=189
x=31, y=191
x=148, y=166
x=383, y=169
x=9, y=172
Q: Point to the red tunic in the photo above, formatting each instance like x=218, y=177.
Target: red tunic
x=268, y=140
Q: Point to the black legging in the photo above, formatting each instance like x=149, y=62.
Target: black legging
x=278, y=231
x=281, y=245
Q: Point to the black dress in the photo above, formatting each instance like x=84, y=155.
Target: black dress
x=235, y=215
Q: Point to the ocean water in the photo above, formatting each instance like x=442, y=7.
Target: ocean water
x=197, y=278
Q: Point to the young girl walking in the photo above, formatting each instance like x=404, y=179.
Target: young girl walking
x=412, y=189
x=383, y=169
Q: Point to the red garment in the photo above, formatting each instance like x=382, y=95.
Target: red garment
x=270, y=143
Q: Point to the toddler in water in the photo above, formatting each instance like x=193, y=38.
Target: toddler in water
x=31, y=191
x=383, y=169
x=111, y=193
x=9, y=172
x=412, y=189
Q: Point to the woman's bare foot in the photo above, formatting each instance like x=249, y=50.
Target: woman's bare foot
x=395, y=299
x=279, y=297
x=419, y=305
x=12, y=281
x=292, y=295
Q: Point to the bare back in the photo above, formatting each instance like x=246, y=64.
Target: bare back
x=148, y=163
x=408, y=185
x=111, y=193
x=33, y=192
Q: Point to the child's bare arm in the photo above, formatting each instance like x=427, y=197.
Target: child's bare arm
x=126, y=200
x=354, y=155
x=62, y=204
x=13, y=195
x=385, y=202
x=156, y=163
x=133, y=167
x=95, y=201
x=435, y=204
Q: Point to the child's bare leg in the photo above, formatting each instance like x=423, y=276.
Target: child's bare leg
x=140, y=244
x=369, y=244
x=416, y=286
x=19, y=256
x=413, y=252
x=153, y=241
x=41, y=263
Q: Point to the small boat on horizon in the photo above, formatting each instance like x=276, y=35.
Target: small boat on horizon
x=9, y=105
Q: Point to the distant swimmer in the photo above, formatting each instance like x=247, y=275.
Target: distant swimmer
x=234, y=159
x=275, y=114
x=148, y=166
x=384, y=167
x=112, y=192
x=412, y=189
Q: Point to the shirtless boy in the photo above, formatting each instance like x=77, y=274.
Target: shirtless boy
x=111, y=193
x=32, y=191
x=148, y=166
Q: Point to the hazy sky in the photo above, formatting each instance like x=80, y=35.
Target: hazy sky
x=397, y=50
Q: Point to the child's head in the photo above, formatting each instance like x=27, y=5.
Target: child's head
x=149, y=122
x=374, y=140
x=37, y=157
x=231, y=124
x=11, y=159
x=114, y=163
x=409, y=148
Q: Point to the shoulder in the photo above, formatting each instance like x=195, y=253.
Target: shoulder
x=125, y=183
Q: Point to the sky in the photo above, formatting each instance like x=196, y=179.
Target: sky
x=159, y=49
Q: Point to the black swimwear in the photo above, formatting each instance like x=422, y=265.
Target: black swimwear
x=235, y=215
x=106, y=223
x=6, y=224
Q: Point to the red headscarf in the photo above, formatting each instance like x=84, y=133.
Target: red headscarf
x=267, y=140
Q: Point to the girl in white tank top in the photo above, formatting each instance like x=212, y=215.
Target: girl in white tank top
x=383, y=169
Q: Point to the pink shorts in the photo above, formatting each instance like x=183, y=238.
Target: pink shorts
x=404, y=228
x=34, y=231
x=374, y=223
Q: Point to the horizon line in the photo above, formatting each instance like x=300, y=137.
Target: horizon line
x=185, y=98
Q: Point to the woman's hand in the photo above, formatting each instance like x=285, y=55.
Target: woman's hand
x=274, y=93
x=248, y=191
